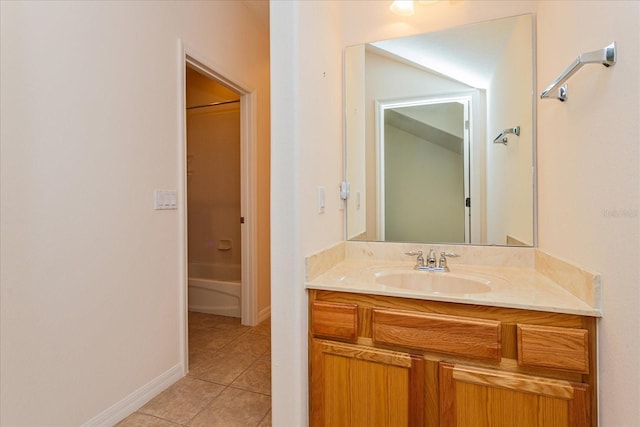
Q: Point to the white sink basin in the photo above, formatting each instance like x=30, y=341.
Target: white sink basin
x=435, y=282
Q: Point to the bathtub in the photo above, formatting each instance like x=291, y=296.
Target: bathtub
x=215, y=289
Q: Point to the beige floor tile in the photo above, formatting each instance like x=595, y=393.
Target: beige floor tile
x=220, y=366
x=198, y=338
x=266, y=421
x=214, y=321
x=183, y=400
x=256, y=378
x=200, y=356
x=212, y=338
x=263, y=328
x=250, y=343
x=221, y=352
x=141, y=420
x=194, y=317
x=234, y=408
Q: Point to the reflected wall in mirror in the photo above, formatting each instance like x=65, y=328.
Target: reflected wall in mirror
x=422, y=113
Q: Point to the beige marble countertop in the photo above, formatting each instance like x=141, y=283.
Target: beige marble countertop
x=511, y=287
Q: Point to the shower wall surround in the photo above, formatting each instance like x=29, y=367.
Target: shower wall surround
x=213, y=172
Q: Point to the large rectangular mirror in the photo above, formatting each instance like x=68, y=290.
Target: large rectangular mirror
x=439, y=137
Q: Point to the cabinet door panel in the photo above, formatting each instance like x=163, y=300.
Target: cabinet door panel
x=478, y=397
x=378, y=394
x=359, y=386
x=478, y=406
x=336, y=404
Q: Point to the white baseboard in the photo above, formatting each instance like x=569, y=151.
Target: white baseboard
x=137, y=399
x=264, y=314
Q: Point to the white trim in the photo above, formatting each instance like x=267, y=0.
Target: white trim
x=183, y=261
x=380, y=212
x=478, y=165
x=264, y=314
x=249, y=167
x=137, y=399
x=466, y=156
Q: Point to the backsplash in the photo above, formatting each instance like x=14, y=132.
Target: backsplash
x=470, y=255
x=570, y=277
x=322, y=261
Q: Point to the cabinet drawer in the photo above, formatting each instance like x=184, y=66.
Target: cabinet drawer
x=464, y=336
x=553, y=347
x=333, y=319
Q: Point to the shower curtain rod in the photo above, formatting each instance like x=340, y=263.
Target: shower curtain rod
x=213, y=104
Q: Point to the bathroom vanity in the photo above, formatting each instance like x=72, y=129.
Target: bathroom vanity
x=519, y=350
x=495, y=336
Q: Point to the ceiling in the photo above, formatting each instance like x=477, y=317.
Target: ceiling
x=468, y=54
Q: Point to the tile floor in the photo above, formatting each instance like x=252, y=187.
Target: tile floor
x=229, y=380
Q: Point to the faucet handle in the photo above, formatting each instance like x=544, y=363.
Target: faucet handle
x=442, y=262
x=449, y=254
x=419, y=260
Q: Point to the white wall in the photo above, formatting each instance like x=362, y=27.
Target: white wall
x=424, y=189
x=355, y=133
x=587, y=154
x=509, y=171
x=389, y=80
x=589, y=177
x=306, y=69
x=213, y=202
x=90, y=295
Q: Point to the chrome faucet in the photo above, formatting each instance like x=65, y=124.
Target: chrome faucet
x=430, y=263
x=431, y=258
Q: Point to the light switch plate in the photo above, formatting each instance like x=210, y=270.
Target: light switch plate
x=165, y=199
x=321, y=200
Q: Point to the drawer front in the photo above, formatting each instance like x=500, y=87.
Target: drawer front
x=447, y=334
x=335, y=320
x=553, y=347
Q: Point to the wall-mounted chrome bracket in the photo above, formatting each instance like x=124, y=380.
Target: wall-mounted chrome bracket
x=606, y=56
x=502, y=136
x=562, y=93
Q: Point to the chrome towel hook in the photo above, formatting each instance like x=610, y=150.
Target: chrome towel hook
x=502, y=137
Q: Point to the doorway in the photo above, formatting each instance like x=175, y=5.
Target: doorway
x=214, y=233
x=223, y=350
x=224, y=242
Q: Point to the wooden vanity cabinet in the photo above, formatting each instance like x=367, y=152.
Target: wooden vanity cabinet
x=387, y=361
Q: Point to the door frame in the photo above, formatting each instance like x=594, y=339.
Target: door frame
x=248, y=186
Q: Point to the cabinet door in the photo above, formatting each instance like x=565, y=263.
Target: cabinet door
x=360, y=386
x=480, y=397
